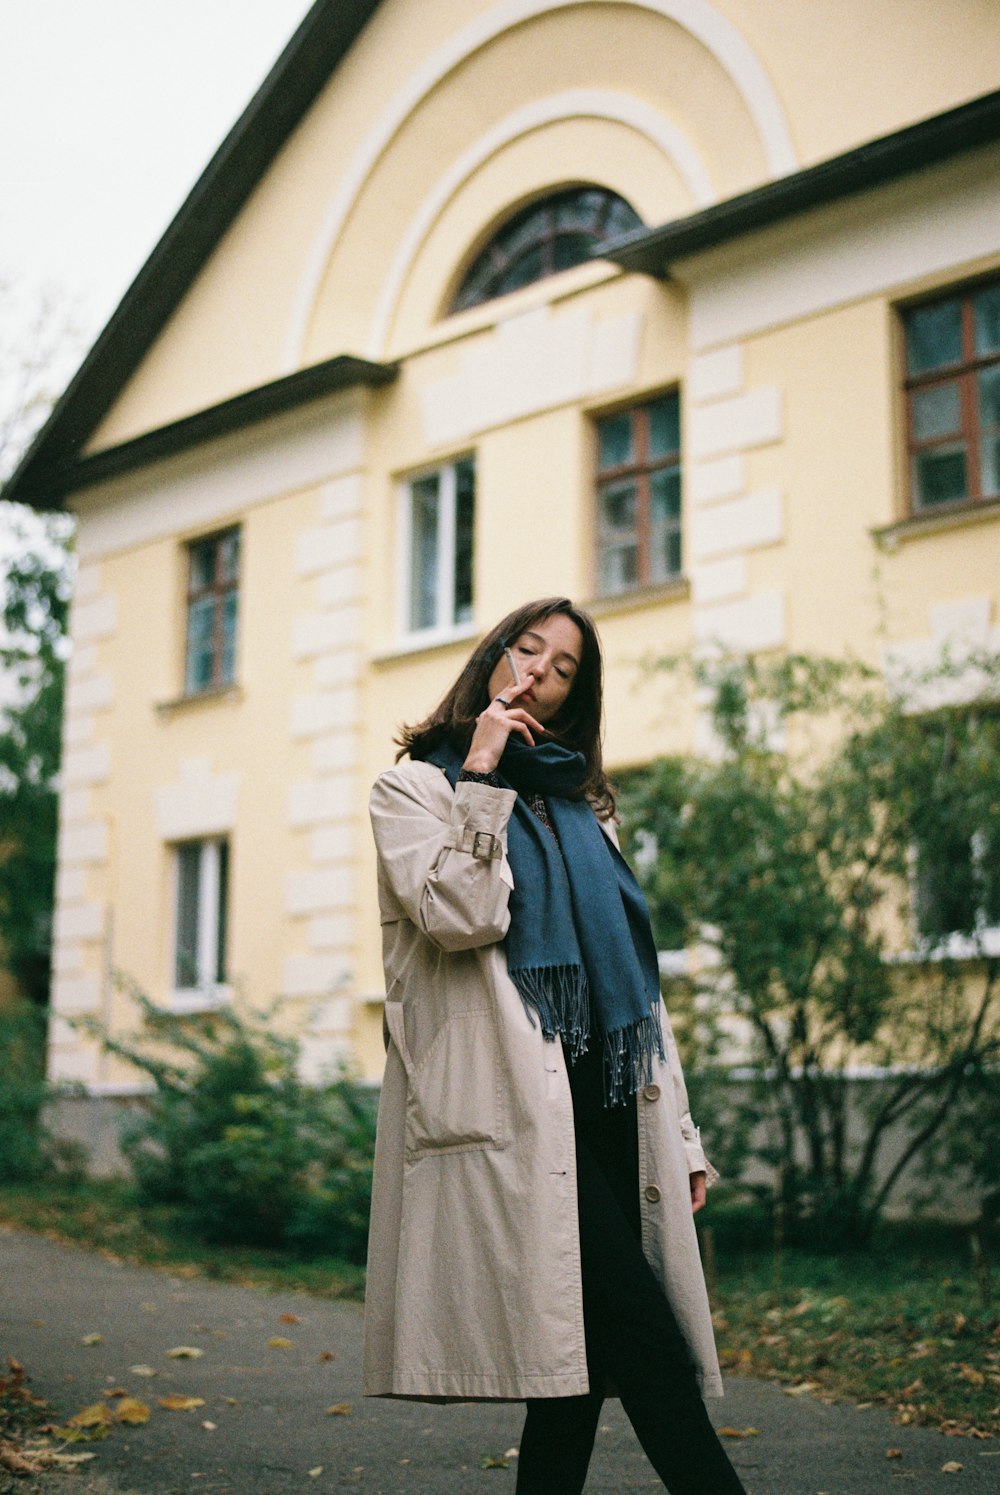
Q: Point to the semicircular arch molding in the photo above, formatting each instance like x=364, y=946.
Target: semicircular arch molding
x=572, y=104
x=721, y=38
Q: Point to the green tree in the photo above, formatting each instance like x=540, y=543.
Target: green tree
x=36, y=591
x=37, y=345
x=804, y=864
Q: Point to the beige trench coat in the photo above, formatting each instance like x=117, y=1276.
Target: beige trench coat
x=474, y=1259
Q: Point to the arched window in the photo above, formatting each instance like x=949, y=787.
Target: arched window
x=547, y=236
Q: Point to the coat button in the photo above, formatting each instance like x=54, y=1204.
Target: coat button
x=652, y=1193
x=651, y=1092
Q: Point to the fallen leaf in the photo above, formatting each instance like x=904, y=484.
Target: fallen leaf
x=326, y=1355
x=13, y=1460
x=801, y=1388
x=131, y=1411
x=276, y=1342
x=177, y=1403
x=952, y=1467
x=49, y=1456
x=289, y=1318
x=113, y=1392
x=209, y=1426
x=894, y=1453
x=489, y=1462
x=973, y=1376
x=94, y=1416
x=339, y=1409
x=738, y=1432
x=184, y=1352
x=512, y=1453
x=142, y=1370
x=91, y=1339
x=315, y=1473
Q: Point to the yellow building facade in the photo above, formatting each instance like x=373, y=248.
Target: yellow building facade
x=370, y=392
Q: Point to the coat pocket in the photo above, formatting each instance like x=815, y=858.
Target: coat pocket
x=455, y=1097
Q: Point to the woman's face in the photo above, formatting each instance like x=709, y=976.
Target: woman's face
x=548, y=653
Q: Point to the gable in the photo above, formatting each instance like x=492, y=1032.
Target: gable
x=380, y=151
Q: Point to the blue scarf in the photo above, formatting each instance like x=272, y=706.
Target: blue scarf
x=580, y=948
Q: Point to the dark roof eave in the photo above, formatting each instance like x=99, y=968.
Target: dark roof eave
x=321, y=41
x=931, y=141
x=49, y=484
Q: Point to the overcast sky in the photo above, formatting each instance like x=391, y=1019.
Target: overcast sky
x=109, y=110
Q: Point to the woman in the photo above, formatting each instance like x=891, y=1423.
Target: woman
x=536, y=1168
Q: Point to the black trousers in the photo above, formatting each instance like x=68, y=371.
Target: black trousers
x=632, y=1337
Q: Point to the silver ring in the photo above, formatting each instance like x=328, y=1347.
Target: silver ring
x=504, y=702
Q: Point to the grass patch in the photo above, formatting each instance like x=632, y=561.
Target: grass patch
x=907, y=1322
x=107, y=1215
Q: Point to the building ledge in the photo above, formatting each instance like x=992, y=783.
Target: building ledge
x=889, y=537
x=431, y=642
x=678, y=590
x=229, y=694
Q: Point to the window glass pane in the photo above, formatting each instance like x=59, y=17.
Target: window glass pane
x=946, y=901
x=200, y=634
x=664, y=524
x=424, y=552
x=939, y=476
x=619, y=569
x=620, y=219
x=524, y=232
x=665, y=496
x=989, y=396
x=990, y=466
x=933, y=336
x=665, y=426
x=618, y=509
x=229, y=556
x=202, y=572
x=188, y=895
x=229, y=611
x=223, y=916
x=614, y=441
x=465, y=503
x=936, y=412
x=581, y=211
x=572, y=249
x=527, y=268
x=986, y=319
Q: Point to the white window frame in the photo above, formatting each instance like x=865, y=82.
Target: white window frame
x=208, y=992
x=444, y=628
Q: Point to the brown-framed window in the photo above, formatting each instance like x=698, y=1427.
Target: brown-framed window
x=639, y=496
x=953, y=397
x=212, y=610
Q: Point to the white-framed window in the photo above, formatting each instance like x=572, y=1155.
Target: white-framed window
x=201, y=907
x=437, y=528
x=956, y=900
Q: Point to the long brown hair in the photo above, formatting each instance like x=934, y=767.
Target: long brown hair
x=578, y=723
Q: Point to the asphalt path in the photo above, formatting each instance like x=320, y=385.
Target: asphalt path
x=265, y=1426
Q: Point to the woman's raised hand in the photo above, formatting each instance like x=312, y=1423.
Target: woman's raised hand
x=502, y=718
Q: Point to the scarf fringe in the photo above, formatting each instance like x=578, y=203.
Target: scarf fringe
x=560, y=999
x=628, y=1057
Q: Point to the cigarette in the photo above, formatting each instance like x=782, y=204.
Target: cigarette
x=513, y=666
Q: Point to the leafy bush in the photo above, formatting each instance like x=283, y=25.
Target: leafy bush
x=248, y=1153
x=834, y=868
